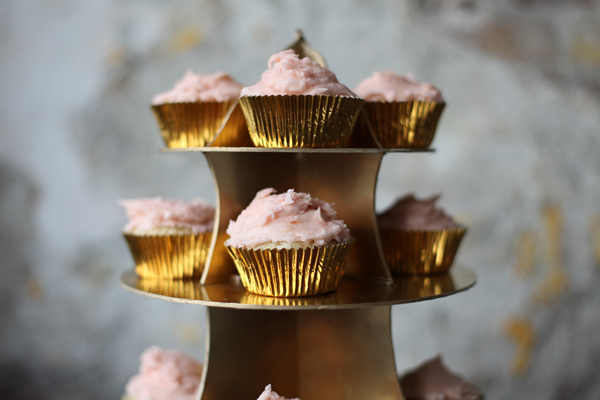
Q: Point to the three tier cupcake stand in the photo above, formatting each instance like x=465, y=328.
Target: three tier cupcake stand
x=335, y=346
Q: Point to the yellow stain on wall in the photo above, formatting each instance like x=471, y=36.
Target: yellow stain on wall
x=584, y=50
x=33, y=289
x=595, y=232
x=522, y=332
x=551, y=287
x=554, y=221
x=185, y=39
x=556, y=280
x=188, y=334
x=115, y=56
x=526, y=250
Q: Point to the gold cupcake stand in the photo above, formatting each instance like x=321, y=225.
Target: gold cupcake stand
x=335, y=346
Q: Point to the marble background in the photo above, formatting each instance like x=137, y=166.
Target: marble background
x=516, y=160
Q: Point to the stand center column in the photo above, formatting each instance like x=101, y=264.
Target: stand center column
x=314, y=354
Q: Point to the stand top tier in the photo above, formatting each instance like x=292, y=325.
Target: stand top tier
x=351, y=293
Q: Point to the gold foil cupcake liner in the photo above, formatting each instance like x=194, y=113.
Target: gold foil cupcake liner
x=300, y=121
x=197, y=124
x=420, y=252
x=169, y=256
x=403, y=124
x=291, y=272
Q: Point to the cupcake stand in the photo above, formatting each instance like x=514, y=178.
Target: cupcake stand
x=335, y=346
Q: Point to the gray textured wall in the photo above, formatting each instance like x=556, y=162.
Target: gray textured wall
x=517, y=161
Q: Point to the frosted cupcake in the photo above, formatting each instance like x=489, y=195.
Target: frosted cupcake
x=298, y=103
x=432, y=381
x=269, y=394
x=168, y=238
x=194, y=111
x=165, y=375
x=402, y=112
x=289, y=245
x=417, y=237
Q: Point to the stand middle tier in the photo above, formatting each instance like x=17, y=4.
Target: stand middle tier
x=345, y=177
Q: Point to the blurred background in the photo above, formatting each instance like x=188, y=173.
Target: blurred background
x=516, y=161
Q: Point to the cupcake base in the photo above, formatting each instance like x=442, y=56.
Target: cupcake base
x=300, y=121
x=291, y=272
x=403, y=124
x=420, y=252
x=184, y=125
x=169, y=256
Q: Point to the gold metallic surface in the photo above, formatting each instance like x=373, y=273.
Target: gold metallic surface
x=177, y=288
x=345, y=179
x=420, y=252
x=256, y=299
x=418, y=286
x=197, y=124
x=291, y=272
x=302, y=48
x=317, y=355
x=351, y=293
x=403, y=124
x=169, y=256
x=300, y=121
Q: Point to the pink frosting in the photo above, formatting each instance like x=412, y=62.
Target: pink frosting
x=193, y=88
x=287, y=218
x=387, y=86
x=147, y=214
x=269, y=394
x=432, y=381
x=290, y=75
x=411, y=214
x=165, y=375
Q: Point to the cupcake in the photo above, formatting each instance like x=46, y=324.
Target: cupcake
x=432, y=381
x=269, y=394
x=194, y=111
x=298, y=103
x=417, y=237
x=165, y=375
x=402, y=112
x=168, y=238
x=288, y=245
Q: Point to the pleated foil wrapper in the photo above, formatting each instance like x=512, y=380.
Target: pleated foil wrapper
x=291, y=272
x=300, y=121
x=169, y=256
x=178, y=288
x=197, y=124
x=420, y=252
x=404, y=124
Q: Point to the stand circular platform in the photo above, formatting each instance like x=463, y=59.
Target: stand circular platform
x=350, y=293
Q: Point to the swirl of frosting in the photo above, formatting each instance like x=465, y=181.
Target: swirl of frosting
x=290, y=75
x=165, y=375
x=269, y=394
x=193, y=88
x=411, y=214
x=288, y=218
x=145, y=215
x=432, y=381
x=387, y=86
